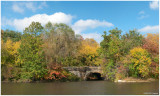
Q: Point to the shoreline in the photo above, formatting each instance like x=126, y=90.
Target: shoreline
x=131, y=79
x=128, y=79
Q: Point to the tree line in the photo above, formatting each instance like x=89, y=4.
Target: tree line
x=39, y=53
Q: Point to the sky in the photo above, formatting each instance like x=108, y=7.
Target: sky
x=87, y=18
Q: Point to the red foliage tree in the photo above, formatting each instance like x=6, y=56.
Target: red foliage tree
x=151, y=43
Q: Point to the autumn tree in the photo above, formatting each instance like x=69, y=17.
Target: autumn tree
x=60, y=49
x=114, y=47
x=151, y=44
x=31, y=57
x=61, y=44
x=88, y=53
x=140, y=62
x=8, y=58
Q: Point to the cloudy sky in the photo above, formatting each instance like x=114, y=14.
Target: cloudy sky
x=89, y=19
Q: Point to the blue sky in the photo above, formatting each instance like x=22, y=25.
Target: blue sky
x=88, y=18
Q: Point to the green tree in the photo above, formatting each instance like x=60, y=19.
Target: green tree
x=131, y=40
x=31, y=57
x=10, y=34
x=110, y=51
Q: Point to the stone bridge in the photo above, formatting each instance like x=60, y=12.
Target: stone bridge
x=87, y=73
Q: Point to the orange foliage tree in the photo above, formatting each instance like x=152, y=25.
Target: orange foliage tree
x=151, y=44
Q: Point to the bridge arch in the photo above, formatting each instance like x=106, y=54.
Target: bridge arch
x=87, y=72
x=90, y=76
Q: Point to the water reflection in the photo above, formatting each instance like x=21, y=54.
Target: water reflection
x=80, y=88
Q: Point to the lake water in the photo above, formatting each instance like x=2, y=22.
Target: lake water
x=80, y=88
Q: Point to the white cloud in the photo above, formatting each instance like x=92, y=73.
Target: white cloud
x=143, y=16
x=17, y=8
x=154, y=5
x=82, y=25
x=58, y=17
x=43, y=4
x=31, y=6
x=20, y=7
x=95, y=36
x=150, y=29
x=141, y=12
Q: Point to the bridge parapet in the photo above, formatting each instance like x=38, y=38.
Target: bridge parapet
x=76, y=68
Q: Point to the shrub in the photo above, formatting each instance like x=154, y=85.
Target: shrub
x=59, y=74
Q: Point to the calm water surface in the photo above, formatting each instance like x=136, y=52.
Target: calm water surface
x=80, y=88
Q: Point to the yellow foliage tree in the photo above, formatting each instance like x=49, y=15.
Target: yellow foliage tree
x=10, y=52
x=140, y=60
x=8, y=58
x=12, y=47
x=88, y=51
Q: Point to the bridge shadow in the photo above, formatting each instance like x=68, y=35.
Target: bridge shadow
x=94, y=77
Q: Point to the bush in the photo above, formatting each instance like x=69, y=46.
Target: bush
x=59, y=74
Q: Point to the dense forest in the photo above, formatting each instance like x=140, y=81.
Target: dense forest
x=40, y=52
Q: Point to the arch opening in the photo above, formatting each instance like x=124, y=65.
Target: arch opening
x=94, y=77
